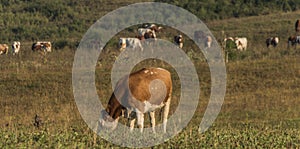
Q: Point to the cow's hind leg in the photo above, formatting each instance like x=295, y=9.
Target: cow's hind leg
x=166, y=113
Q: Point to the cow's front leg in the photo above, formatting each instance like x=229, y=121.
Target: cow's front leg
x=152, y=118
x=140, y=120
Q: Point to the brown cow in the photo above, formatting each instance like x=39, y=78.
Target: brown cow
x=297, y=26
x=293, y=41
x=146, y=90
x=3, y=48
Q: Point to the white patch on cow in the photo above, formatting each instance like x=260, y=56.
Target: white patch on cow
x=146, y=71
x=151, y=107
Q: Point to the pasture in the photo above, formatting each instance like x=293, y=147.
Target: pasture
x=261, y=106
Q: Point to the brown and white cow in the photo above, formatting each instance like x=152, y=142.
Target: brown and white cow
x=155, y=28
x=272, y=41
x=3, y=49
x=293, y=41
x=147, y=35
x=44, y=46
x=241, y=43
x=142, y=92
x=16, y=47
x=143, y=31
x=179, y=40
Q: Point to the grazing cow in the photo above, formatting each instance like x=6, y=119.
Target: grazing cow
x=297, y=26
x=143, y=31
x=208, y=41
x=44, y=46
x=3, y=48
x=272, y=41
x=293, y=41
x=146, y=90
x=147, y=35
x=241, y=43
x=179, y=40
x=16, y=47
x=155, y=28
x=130, y=42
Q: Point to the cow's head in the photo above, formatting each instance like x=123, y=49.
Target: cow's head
x=122, y=44
x=150, y=34
x=107, y=122
x=47, y=46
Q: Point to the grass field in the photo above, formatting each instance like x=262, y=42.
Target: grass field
x=261, y=106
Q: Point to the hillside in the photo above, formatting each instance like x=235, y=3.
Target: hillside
x=64, y=22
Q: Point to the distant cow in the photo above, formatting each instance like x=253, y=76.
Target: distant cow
x=131, y=43
x=155, y=28
x=147, y=35
x=143, y=31
x=142, y=92
x=44, y=46
x=16, y=47
x=272, y=41
x=293, y=41
x=208, y=41
x=241, y=43
x=297, y=26
x=179, y=40
x=3, y=49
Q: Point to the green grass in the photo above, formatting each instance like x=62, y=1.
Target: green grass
x=261, y=106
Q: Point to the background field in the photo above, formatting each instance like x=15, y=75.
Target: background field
x=261, y=107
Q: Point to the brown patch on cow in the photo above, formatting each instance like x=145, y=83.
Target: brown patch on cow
x=3, y=48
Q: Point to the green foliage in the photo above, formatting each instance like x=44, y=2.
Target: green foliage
x=220, y=9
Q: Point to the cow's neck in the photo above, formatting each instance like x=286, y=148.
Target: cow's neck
x=114, y=108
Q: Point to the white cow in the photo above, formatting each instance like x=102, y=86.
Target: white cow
x=142, y=92
x=208, y=41
x=16, y=47
x=130, y=43
x=241, y=43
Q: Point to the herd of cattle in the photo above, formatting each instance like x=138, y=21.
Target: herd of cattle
x=44, y=46
x=241, y=43
x=148, y=31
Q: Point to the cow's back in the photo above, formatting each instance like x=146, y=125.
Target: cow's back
x=153, y=85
